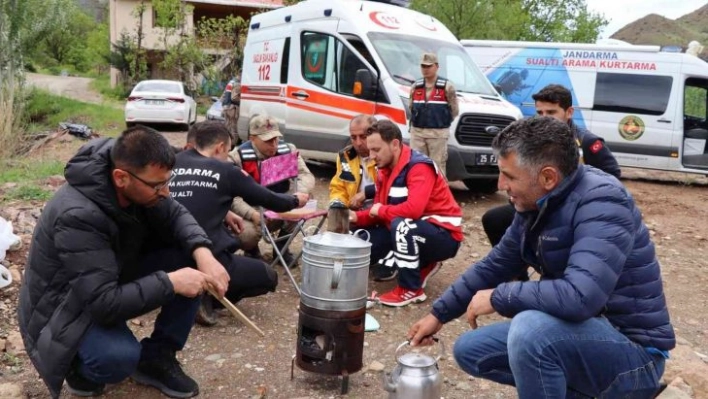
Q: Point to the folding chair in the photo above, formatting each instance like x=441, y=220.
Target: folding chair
x=272, y=171
x=299, y=218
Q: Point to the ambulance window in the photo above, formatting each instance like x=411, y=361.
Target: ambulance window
x=315, y=57
x=628, y=93
x=285, y=62
x=327, y=62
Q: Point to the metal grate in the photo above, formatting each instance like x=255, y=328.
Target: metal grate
x=471, y=128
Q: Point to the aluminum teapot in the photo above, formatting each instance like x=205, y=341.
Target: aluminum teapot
x=416, y=376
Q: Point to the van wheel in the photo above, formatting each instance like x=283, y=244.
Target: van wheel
x=483, y=186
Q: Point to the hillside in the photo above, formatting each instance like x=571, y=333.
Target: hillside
x=658, y=30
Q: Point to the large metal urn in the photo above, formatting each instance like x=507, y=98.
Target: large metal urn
x=332, y=311
x=335, y=271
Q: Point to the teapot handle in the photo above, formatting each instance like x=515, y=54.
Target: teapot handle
x=361, y=231
x=337, y=273
x=436, y=339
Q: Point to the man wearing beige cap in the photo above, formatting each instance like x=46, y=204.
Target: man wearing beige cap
x=433, y=105
x=265, y=142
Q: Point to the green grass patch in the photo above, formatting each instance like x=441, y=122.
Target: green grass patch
x=202, y=108
x=44, y=111
x=102, y=84
x=27, y=170
x=26, y=192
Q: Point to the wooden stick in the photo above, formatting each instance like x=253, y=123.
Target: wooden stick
x=237, y=313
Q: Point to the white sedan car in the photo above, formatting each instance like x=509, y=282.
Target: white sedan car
x=160, y=101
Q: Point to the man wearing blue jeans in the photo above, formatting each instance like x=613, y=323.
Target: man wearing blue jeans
x=596, y=324
x=96, y=262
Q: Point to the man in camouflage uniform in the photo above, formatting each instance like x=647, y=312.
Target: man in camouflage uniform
x=433, y=104
x=231, y=101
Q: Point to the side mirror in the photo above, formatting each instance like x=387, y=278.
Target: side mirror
x=365, y=85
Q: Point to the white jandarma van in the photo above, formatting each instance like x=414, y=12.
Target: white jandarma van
x=648, y=105
x=316, y=64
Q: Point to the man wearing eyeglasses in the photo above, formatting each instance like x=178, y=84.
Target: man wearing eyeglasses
x=94, y=264
x=433, y=105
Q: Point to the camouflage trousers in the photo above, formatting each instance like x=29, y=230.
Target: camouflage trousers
x=433, y=143
x=230, y=113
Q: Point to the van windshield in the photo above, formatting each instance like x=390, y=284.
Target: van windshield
x=401, y=57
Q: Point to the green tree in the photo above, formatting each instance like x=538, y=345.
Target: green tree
x=225, y=37
x=13, y=23
x=179, y=45
x=530, y=20
x=66, y=36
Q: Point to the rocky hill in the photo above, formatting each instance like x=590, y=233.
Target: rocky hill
x=657, y=30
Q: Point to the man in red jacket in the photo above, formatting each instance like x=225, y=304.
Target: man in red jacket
x=415, y=222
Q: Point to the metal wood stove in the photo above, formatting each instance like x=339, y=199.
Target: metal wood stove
x=330, y=334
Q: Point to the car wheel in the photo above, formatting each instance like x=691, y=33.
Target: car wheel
x=129, y=124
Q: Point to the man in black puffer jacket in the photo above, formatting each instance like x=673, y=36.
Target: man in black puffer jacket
x=91, y=268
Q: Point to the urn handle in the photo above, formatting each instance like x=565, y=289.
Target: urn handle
x=436, y=339
x=388, y=384
x=337, y=273
x=359, y=232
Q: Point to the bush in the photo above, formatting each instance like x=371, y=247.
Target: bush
x=39, y=108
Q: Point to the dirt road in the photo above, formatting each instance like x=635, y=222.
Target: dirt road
x=67, y=86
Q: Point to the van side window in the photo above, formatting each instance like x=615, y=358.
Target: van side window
x=326, y=62
x=630, y=94
x=285, y=62
x=695, y=104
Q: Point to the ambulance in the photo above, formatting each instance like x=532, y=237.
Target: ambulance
x=649, y=105
x=316, y=64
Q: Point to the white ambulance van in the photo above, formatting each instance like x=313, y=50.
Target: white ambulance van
x=316, y=64
x=648, y=105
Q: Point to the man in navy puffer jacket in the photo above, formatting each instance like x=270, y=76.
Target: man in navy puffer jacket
x=596, y=324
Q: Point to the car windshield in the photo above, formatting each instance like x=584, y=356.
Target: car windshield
x=160, y=87
x=401, y=56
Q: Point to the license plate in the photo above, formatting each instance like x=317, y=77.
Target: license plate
x=154, y=102
x=486, y=159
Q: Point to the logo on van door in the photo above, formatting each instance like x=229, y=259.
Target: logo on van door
x=631, y=127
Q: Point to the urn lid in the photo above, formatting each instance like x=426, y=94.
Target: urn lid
x=417, y=360
x=337, y=240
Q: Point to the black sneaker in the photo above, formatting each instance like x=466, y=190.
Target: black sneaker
x=78, y=385
x=206, y=315
x=384, y=273
x=164, y=373
x=253, y=253
x=289, y=258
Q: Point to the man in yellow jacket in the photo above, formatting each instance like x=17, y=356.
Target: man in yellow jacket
x=356, y=173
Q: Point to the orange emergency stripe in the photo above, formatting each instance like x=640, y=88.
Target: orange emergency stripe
x=356, y=106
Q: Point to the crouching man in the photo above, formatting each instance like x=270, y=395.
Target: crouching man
x=206, y=183
x=89, y=271
x=596, y=325
x=415, y=222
